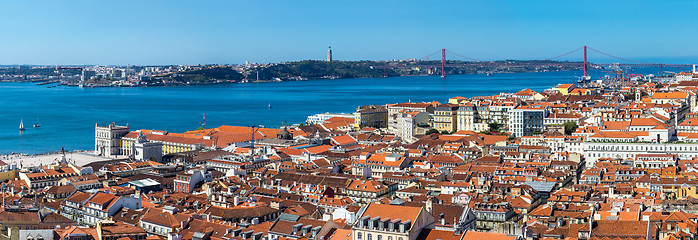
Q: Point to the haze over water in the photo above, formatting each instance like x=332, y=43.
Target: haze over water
x=68, y=114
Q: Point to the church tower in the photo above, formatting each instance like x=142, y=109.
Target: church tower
x=638, y=95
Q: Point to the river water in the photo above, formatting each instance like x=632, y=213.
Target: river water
x=68, y=114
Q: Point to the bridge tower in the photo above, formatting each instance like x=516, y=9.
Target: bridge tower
x=661, y=69
x=443, y=62
x=585, y=61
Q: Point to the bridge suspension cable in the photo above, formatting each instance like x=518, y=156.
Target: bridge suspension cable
x=472, y=59
x=558, y=56
x=431, y=54
x=616, y=57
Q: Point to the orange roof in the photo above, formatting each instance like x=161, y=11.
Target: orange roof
x=343, y=140
x=616, y=125
x=318, y=149
x=580, y=90
x=102, y=198
x=670, y=95
x=380, y=159
x=433, y=234
x=645, y=122
x=366, y=186
x=690, y=122
x=612, y=135
x=392, y=212
x=526, y=92
x=341, y=234
x=473, y=235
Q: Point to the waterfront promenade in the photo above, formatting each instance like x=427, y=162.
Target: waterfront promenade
x=80, y=158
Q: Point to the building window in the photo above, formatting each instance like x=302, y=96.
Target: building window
x=358, y=236
x=368, y=236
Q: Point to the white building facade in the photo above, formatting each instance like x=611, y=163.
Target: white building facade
x=595, y=150
x=108, y=139
x=525, y=121
x=322, y=117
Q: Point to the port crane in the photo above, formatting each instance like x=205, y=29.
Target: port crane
x=619, y=75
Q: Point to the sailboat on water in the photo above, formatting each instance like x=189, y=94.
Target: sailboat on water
x=37, y=124
x=21, y=125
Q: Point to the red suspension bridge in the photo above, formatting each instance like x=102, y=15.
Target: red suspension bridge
x=550, y=61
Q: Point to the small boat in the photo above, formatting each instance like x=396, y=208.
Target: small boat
x=489, y=74
x=270, y=106
x=21, y=125
x=36, y=125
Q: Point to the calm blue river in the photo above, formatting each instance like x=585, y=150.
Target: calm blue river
x=68, y=114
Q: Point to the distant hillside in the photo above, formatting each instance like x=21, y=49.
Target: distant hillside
x=321, y=69
x=310, y=69
x=206, y=75
x=290, y=71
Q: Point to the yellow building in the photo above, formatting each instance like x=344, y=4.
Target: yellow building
x=565, y=89
x=371, y=116
x=9, y=175
x=457, y=100
x=686, y=192
x=446, y=117
x=670, y=97
x=580, y=91
x=170, y=144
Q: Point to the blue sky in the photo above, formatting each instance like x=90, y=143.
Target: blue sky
x=203, y=32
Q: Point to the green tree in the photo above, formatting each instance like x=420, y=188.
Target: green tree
x=445, y=132
x=495, y=126
x=658, y=86
x=432, y=131
x=570, y=127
